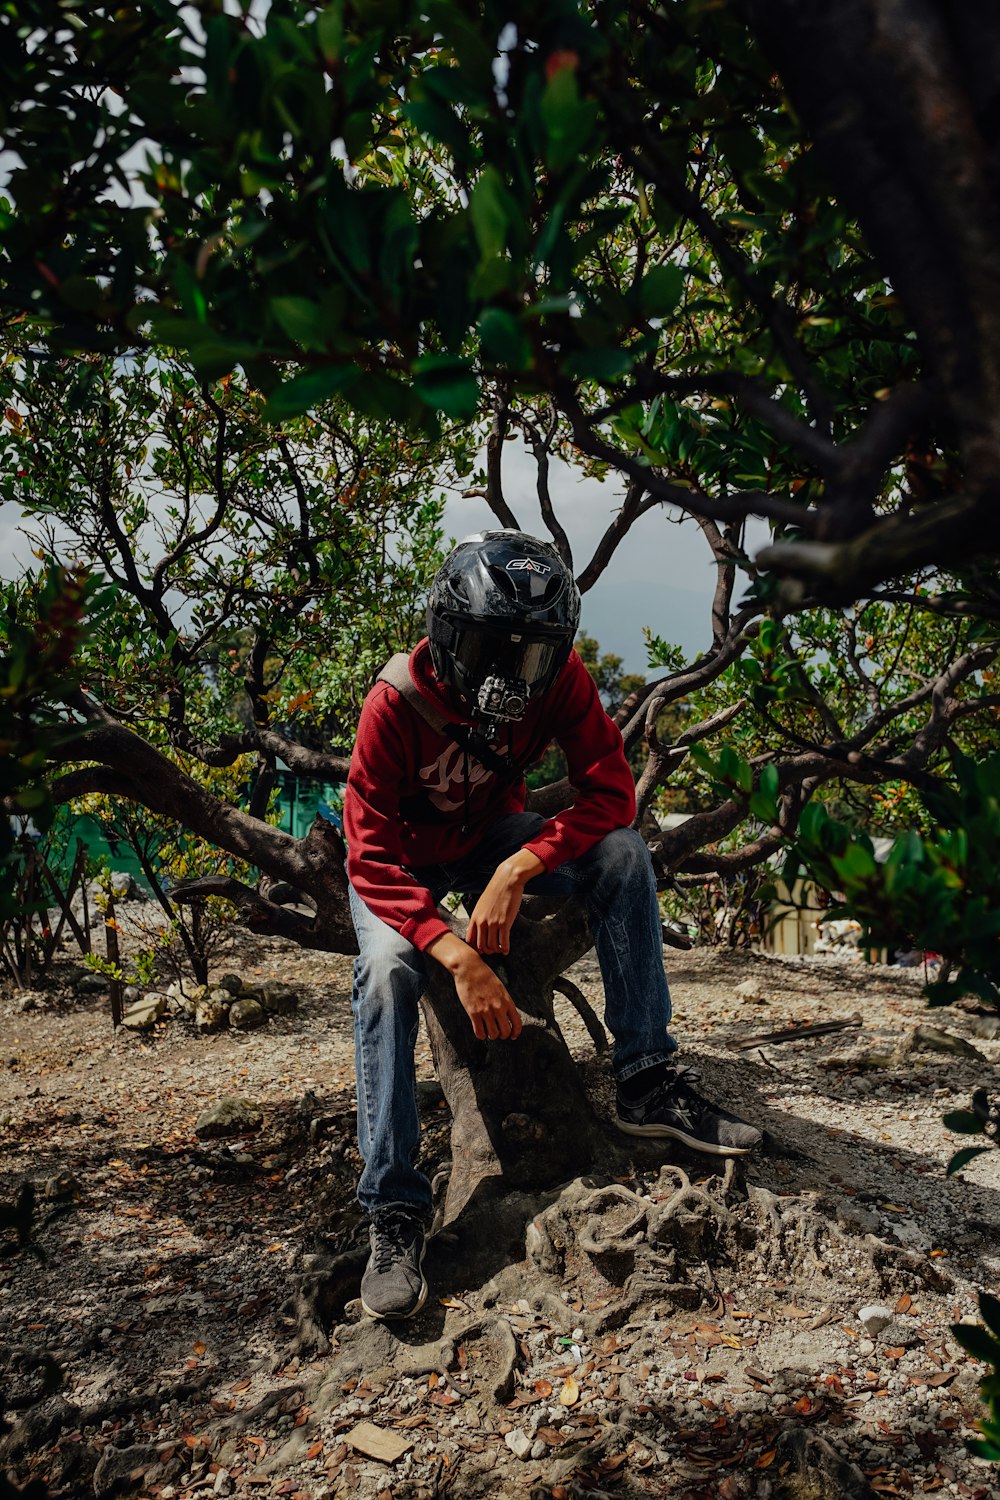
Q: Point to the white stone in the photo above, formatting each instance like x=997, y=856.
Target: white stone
x=145, y=1012
x=518, y=1442
x=874, y=1318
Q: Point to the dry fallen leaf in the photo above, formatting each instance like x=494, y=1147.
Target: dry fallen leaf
x=766, y=1459
x=905, y=1303
x=543, y=1388
x=570, y=1393
x=453, y=1302
x=199, y=1348
x=314, y=1451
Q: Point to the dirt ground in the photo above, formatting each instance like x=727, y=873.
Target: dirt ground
x=167, y=1262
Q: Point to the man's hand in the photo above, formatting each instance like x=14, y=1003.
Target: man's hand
x=495, y=911
x=485, y=1000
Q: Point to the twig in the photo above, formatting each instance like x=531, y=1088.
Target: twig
x=793, y=1033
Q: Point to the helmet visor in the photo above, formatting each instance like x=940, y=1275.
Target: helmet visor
x=486, y=653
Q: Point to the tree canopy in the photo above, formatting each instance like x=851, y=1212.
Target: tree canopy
x=273, y=275
x=728, y=244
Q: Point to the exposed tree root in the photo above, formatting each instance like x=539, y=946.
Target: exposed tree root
x=584, y=1010
x=320, y=1296
x=807, y=1468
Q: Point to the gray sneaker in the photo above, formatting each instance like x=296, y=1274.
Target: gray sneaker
x=669, y=1106
x=393, y=1285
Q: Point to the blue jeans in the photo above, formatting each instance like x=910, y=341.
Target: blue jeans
x=615, y=879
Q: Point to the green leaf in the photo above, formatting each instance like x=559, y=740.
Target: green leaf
x=987, y=1450
x=438, y=122
x=568, y=120
x=769, y=781
x=214, y=357
x=660, y=290
x=447, y=384
x=977, y=1341
x=300, y=319
x=307, y=390
x=32, y=797
x=330, y=30
x=597, y=364
x=503, y=339
x=856, y=863
x=490, y=207
x=764, y=807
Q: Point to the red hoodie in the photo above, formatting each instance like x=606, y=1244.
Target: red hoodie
x=403, y=772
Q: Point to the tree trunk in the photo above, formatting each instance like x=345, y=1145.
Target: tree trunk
x=520, y=1116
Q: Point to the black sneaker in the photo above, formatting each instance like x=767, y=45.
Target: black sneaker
x=393, y=1285
x=669, y=1106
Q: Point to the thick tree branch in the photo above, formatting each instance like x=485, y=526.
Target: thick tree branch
x=263, y=917
x=633, y=506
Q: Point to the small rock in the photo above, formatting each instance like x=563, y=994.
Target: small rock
x=211, y=1014
x=63, y=1185
x=278, y=999
x=130, y=994
x=378, y=1442
x=91, y=984
x=518, y=1442
x=246, y=1015
x=230, y=1116
x=122, y=1469
x=145, y=1012
x=223, y=1482
x=899, y=1334
x=231, y=982
x=874, y=1318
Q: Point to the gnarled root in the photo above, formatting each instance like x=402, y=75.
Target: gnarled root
x=807, y=1468
x=320, y=1296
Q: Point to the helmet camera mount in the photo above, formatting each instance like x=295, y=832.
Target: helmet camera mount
x=502, y=698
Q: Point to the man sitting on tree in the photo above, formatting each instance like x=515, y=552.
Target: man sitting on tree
x=435, y=803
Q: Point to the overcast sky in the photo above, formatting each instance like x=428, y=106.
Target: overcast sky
x=662, y=574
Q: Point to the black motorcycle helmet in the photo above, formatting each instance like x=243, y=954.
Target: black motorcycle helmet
x=502, y=614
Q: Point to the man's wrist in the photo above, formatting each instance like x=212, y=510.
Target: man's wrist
x=452, y=953
x=522, y=866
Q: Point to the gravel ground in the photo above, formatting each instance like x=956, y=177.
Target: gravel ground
x=168, y=1262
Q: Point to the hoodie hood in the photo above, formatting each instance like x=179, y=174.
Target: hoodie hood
x=438, y=693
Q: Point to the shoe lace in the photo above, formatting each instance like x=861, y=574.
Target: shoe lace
x=394, y=1232
x=679, y=1082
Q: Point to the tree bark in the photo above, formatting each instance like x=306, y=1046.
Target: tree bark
x=519, y=1110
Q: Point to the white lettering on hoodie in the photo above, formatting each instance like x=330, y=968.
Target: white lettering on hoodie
x=443, y=778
